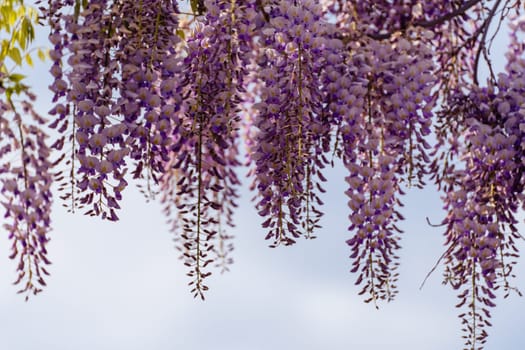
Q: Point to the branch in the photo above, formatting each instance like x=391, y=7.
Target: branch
x=430, y=24
x=481, y=47
x=449, y=249
x=440, y=20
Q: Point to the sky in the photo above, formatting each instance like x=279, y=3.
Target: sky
x=121, y=285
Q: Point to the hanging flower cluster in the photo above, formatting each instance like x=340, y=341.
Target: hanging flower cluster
x=146, y=91
x=25, y=192
x=200, y=181
x=484, y=191
x=148, y=98
x=482, y=203
x=118, y=67
x=26, y=167
x=85, y=92
x=392, y=118
x=292, y=135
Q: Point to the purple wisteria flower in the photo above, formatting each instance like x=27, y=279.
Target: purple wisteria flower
x=145, y=91
x=200, y=182
x=482, y=177
x=113, y=95
x=291, y=137
x=26, y=175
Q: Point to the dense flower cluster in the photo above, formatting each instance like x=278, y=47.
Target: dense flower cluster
x=292, y=136
x=384, y=144
x=25, y=192
x=484, y=191
x=200, y=181
x=482, y=202
x=145, y=91
x=85, y=92
x=118, y=90
x=147, y=96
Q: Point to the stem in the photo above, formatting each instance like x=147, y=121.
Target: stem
x=26, y=186
x=309, y=229
x=473, y=306
x=199, y=204
x=155, y=38
x=410, y=152
x=72, y=171
x=372, y=277
x=139, y=19
x=230, y=56
x=300, y=114
x=280, y=221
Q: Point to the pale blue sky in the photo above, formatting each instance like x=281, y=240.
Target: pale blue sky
x=121, y=286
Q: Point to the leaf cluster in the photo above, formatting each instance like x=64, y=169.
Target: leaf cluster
x=17, y=32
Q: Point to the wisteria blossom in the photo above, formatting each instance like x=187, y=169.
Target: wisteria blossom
x=200, y=182
x=176, y=96
x=25, y=192
x=291, y=137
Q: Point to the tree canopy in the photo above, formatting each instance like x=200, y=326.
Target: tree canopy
x=165, y=94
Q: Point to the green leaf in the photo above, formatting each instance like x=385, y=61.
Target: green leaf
x=27, y=28
x=4, y=18
x=16, y=78
x=41, y=54
x=9, y=93
x=14, y=54
x=3, y=49
x=29, y=60
x=19, y=88
x=23, y=34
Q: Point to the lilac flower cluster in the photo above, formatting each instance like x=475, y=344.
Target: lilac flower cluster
x=385, y=103
x=359, y=80
x=200, y=180
x=148, y=96
x=291, y=136
x=25, y=194
x=85, y=93
x=380, y=19
x=481, y=207
x=451, y=28
x=484, y=186
x=114, y=94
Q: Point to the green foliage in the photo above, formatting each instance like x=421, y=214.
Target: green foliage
x=17, y=32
